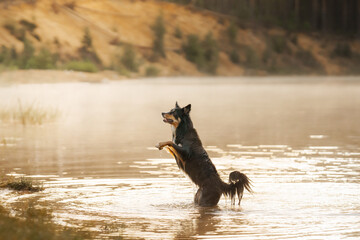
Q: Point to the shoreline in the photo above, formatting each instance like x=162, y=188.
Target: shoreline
x=36, y=76
x=55, y=76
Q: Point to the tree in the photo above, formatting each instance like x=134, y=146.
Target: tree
x=87, y=40
x=193, y=50
x=26, y=54
x=87, y=51
x=315, y=13
x=159, y=31
x=358, y=17
x=323, y=16
x=344, y=15
x=297, y=11
x=336, y=16
x=128, y=59
x=211, y=53
x=205, y=54
x=232, y=32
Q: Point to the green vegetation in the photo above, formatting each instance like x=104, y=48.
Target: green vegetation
x=87, y=51
x=252, y=60
x=29, y=58
x=43, y=60
x=128, y=59
x=342, y=50
x=193, y=50
x=26, y=54
x=232, y=33
x=87, y=40
x=283, y=52
x=159, y=31
x=89, y=60
x=336, y=17
x=234, y=56
x=203, y=53
x=152, y=71
x=8, y=56
x=125, y=61
x=278, y=44
x=211, y=53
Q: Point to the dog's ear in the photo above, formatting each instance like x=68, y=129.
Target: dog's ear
x=187, y=109
x=177, y=105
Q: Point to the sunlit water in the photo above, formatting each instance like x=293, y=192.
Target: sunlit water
x=298, y=140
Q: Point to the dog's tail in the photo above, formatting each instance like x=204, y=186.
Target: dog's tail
x=237, y=182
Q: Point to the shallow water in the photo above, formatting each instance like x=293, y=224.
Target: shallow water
x=298, y=139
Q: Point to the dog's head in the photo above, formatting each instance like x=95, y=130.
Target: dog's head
x=176, y=115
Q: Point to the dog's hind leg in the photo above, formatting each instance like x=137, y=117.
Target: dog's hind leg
x=240, y=195
x=207, y=196
x=197, y=196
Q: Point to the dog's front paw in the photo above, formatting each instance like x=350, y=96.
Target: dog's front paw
x=161, y=145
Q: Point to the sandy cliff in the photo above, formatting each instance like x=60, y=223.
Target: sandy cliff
x=112, y=23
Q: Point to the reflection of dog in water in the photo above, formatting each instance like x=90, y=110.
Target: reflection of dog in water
x=191, y=157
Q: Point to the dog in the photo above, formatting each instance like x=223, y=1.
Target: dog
x=191, y=157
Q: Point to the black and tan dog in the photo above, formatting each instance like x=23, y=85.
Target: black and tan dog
x=191, y=157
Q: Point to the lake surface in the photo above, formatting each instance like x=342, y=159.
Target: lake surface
x=297, y=139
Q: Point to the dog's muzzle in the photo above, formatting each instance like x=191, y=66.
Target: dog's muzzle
x=166, y=120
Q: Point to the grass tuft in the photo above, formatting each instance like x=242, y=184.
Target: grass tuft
x=28, y=114
x=23, y=184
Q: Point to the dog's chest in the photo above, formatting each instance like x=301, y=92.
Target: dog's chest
x=173, y=130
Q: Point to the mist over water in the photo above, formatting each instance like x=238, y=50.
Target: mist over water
x=298, y=140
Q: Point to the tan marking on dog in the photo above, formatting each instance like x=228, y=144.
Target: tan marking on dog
x=175, y=122
x=175, y=154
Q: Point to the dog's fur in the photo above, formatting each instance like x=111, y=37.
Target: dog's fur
x=191, y=157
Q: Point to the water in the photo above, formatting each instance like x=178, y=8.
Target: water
x=298, y=140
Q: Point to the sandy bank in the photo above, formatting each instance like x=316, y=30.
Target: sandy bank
x=55, y=76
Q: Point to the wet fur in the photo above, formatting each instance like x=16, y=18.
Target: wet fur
x=191, y=157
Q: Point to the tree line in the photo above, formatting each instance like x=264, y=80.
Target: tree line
x=328, y=16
